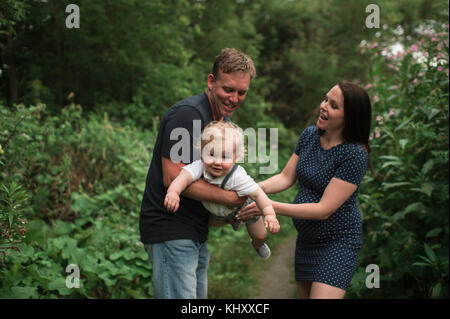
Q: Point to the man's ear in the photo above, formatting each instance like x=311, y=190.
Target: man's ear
x=210, y=81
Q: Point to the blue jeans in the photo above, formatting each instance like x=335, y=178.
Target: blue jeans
x=179, y=269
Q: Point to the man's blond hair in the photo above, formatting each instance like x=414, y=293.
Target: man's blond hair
x=232, y=60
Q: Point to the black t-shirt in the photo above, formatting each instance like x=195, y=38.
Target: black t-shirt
x=184, y=121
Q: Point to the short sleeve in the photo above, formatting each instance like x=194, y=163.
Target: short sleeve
x=179, y=131
x=195, y=169
x=353, y=165
x=241, y=183
x=304, y=137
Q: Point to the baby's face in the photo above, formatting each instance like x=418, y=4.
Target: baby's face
x=218, y=162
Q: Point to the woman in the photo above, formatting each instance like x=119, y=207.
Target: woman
x=329, y=162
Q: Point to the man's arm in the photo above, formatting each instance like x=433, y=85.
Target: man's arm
x=200, y=190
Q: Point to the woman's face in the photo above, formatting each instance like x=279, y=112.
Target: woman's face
x=331, y=117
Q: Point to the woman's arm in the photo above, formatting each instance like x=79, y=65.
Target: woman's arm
x=282, y=181
x=334, y=196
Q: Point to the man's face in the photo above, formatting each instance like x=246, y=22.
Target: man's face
x=227, y=92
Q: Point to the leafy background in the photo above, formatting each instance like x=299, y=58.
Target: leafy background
x=80, y=109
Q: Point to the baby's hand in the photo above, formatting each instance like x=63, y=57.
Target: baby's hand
x=272, y=223
x=171, y=202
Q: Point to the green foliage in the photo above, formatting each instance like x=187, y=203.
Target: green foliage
x=84, y=207
x=13, y=205
x=406, y=204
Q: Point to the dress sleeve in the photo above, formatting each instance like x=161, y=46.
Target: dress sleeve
x=304, y=137
x=353, y=166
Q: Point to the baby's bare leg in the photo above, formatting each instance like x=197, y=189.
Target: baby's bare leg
x=257, y=232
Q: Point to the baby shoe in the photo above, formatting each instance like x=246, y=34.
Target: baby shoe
x=263, y=251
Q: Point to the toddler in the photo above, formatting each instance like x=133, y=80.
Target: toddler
x=222, y=145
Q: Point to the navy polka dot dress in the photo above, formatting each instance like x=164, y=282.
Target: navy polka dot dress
x=327, y=251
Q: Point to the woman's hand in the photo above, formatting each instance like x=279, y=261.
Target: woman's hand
x=249, y=211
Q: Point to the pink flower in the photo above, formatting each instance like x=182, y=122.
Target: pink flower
x=446, y=71
x=391, y=112
x=368, y=86
x=414, y=48
x=374, y=45
x=375, y=99
x=420, y=74
x=439, y=47
x=377, y=134
x=415, y=81
x=440, y=68
x=378, y=118
x=439, y=56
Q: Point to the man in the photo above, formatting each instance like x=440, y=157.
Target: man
x=176, y=242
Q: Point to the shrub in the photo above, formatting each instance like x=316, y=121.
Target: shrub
x=405, y=204
x=85, y=179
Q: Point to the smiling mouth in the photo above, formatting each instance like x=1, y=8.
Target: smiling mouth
x=323, y=117
x=231, y=107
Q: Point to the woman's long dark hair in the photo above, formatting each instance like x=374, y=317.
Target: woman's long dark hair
x=357, y=114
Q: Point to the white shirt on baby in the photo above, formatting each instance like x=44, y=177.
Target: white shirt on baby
x=239, y=182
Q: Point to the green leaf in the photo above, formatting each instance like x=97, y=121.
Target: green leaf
x=426, y=260
x=419, y=264
x=392, y=163
x=393, y=185
x=416, y=206
x=436, y=291
x=427, y=166
x=116, y=255
x=433, y=113
x=24, y=292
x=426, y=189
x=434, y=232
x=391, y=157
x=59, y=284
x=403, y=143
x=430, y=253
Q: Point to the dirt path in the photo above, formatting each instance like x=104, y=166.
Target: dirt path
x=278, y=282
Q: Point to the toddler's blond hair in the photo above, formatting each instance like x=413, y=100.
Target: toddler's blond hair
x=223, y=132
